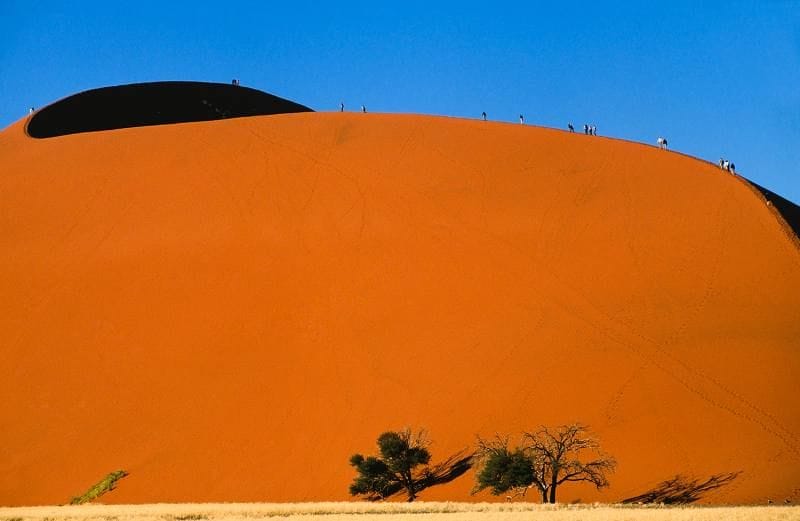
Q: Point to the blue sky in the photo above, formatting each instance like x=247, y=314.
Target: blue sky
x=717, y=78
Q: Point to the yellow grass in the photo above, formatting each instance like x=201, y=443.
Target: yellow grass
x=420, y=511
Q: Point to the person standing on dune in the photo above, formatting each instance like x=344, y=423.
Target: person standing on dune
x=483, y=115
x=341, y=107
x=521, y=120
x=570, y=127
x=363, y=109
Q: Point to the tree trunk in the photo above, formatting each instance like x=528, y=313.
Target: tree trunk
x=544, y=495
x=553, y=491
x=412, y=494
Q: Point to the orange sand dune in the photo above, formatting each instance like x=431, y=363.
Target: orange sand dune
x=228, y=310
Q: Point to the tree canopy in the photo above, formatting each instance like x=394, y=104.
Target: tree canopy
x=403, y=464
x=503, y=469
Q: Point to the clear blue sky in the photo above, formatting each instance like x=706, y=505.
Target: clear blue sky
x=717, y=78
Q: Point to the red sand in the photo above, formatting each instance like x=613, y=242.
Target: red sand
x=228, y=310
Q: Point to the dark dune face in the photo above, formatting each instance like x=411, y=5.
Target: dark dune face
x=788, y=210
x=159, y=103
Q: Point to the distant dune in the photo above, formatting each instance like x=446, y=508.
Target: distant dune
x=228, y=310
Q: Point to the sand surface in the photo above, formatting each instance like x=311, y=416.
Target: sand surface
x=229, y=310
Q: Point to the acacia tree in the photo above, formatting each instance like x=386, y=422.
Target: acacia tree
x=403, y=464
x=545, y=459
x=560, y=452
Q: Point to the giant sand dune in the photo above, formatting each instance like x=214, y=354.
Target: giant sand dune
x=229, y=309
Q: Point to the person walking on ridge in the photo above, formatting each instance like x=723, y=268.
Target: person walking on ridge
x=521, y=120
x=363, y=109
x=483, y=115
x=570, y=127
x=586, y=129
x=341, y=107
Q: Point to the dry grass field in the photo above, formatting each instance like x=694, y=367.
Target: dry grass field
x=427, y=511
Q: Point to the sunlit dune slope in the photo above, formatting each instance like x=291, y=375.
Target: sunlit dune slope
x=228, y=310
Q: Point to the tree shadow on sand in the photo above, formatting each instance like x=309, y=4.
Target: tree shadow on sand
x=682, y=490
x=448, y=470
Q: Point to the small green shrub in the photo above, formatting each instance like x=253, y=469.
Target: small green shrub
x=100, y=488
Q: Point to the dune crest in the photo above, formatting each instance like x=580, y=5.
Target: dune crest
x=228, y=310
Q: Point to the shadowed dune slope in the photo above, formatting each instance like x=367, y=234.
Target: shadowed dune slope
x=157, y=103
x=228, y=310
x=788, y=210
